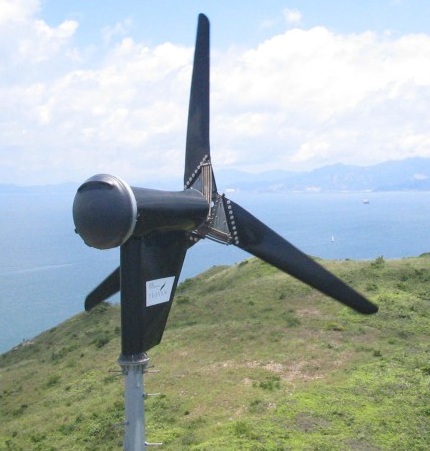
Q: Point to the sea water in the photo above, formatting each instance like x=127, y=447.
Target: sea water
x=46, y=270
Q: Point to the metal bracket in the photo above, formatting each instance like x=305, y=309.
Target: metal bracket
x=217, y=226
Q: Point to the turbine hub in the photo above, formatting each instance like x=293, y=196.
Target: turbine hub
x=104, y=211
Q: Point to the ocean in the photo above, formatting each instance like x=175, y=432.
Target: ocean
x=46, y=270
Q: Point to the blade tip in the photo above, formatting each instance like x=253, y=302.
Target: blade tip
x=203, y=19
x=88, y=304
x=369, y=309
x=374, y=309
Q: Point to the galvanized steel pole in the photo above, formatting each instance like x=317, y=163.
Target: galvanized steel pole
x=134, y=433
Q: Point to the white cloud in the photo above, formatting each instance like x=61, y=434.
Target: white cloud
x=299, y=100
x=292, y=16
x=17, y=11
x=43, y=42
x=327, y=97
x=28, y=45
x=119, y=29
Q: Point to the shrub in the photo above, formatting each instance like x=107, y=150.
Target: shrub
x=182, y=300
x=379, y=262
x=53, y=379
x=271, y=383
x=101, y=341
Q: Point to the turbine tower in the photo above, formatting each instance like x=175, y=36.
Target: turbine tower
x=154, y=229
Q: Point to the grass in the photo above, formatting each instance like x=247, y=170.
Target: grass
x=251, y=360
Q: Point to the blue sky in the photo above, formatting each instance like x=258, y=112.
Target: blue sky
x=102, y=86
x=246, y=22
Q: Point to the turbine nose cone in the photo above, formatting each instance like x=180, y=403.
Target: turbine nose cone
x=104, y=211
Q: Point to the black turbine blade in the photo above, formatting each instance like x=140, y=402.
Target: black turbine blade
x=197, y=144
x=253, y=236
x=105, y=290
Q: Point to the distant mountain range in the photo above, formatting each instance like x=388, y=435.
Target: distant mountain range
x=402, y=175
x=412, y=174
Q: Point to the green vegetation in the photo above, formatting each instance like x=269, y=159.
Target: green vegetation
x=251, y=360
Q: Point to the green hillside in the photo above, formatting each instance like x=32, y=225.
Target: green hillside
x=251, y=360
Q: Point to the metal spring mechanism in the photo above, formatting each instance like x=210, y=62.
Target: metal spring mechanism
x=206, y=176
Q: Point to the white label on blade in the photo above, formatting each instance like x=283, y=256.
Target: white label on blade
x=158, y=291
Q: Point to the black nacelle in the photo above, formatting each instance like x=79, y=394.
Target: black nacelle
x=107, y=211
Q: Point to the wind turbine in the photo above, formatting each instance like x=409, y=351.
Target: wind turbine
x=154, y=229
